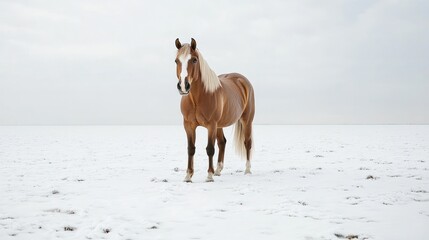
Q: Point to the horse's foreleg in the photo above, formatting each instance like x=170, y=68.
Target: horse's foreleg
x=190, y=133
x=211, y=150
x=221, y=142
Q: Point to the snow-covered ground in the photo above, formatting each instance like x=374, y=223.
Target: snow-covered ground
x=308, y=182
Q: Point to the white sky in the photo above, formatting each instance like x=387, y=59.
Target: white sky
x=311, y=62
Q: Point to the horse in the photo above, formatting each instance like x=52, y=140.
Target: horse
x=213, y=102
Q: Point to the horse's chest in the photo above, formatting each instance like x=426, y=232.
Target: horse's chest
x=203, y=113
x=203, y=116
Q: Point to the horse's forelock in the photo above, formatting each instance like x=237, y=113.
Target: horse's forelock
x=184, y=50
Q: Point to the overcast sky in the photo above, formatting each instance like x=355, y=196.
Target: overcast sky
x=311, y=62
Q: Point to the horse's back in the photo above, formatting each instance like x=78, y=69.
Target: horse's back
x=236, y=81
x=234, y=77
x=238, y=93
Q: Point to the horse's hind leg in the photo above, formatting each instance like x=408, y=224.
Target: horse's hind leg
x=221, y=142
x=248, y=144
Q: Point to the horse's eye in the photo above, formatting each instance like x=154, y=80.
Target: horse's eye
x=176, y=61
x=194, y=60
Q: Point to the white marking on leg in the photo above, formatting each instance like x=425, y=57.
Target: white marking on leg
x=188, y=178
x=210, y=177
x=184, y=60
x=248, y=167
x=219, y=168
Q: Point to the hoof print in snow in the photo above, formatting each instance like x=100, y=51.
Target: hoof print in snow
x=55, y=192
x=370, y=177
x=57, y=210
x=302, y=203
x=153, y=227
x=69, y=228
x=395, y=176
x=106, y=230
x=80, y=180
x=158, y=180
x=352, y=197
x=349, y=237
x=176, y=169
x=419, y=191
x=70, y=212
x=420, y=200
x=53, y=210
x=424, y=213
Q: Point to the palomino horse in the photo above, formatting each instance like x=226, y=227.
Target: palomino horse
x=213, y=102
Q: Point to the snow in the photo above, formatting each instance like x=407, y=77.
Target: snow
x=126, y=182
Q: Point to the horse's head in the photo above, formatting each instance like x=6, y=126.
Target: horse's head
x=187, y=67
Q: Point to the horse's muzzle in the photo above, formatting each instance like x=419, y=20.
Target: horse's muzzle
x=187, y=87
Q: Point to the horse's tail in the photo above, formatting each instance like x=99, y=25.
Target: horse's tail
x=240, y=148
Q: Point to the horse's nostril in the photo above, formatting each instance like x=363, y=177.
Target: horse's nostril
x=187, y=85
x=178, y=85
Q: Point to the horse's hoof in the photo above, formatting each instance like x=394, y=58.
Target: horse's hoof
x=210, y=178
x=188, y=179
x=247, y=172
x=218, y=169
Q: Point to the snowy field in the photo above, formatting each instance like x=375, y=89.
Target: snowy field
x=308, y=182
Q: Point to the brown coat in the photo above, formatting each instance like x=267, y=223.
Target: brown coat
x=213, y=102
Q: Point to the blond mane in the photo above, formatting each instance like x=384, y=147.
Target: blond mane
x=208, y=76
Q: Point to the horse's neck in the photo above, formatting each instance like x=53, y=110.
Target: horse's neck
x=198, y=92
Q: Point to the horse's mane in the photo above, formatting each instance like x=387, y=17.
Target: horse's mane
x=208, y=76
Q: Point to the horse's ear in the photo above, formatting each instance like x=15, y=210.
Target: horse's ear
x=178, y=44
x=193, y=44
